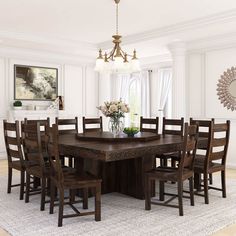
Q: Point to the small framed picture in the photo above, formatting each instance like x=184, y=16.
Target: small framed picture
x=35, y=83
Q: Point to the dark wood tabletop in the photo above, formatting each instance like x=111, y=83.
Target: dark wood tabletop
x=114, y=151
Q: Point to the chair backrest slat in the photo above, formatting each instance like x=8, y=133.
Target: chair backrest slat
x=219, y=145
x=205, y=127
x=149, y=121
x=92, y=121
x=13, y=141
x=177, y=126
x=67, y=126
x=32, y=144
x=188, y=151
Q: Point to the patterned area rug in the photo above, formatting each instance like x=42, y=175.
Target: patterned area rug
x=121, y=215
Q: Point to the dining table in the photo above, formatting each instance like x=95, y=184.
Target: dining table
x=120, y=161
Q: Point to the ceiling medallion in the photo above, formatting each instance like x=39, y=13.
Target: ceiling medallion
x=117, y=61
x=226, y=89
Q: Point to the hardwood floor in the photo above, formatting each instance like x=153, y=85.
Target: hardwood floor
x=228, y=231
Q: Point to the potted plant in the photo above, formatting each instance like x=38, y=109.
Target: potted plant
x=17, y=105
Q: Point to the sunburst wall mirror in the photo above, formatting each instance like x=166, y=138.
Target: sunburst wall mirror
x=226, y=89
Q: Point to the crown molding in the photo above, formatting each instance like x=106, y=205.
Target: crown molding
x=216, y=42
x=15, y=52
x=18, y=38
x=223, y=17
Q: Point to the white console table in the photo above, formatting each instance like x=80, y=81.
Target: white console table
x=33, y=114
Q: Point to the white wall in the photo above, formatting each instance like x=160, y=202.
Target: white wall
x=77, y=82
x=204, y=69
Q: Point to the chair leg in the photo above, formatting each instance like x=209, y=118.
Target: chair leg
x=70, y=161
x=210, y=179
x=27, y=188
x=61, y=207
x=9, y=180
x=205, y=176
x=180, y=197
x=161, y=190
x=98, y=203
x=52, y=197
x=22, y=184
x=173, y=163
x=147, y=194
x=43, y=193
x=223, y=184
x=165, y=162
x=85, y=198
x=197, y=181
x=191, y=191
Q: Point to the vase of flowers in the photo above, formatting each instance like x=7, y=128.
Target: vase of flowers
x=116, y=111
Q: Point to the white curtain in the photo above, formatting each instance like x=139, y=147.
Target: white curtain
x=145, y=93
x=121, y=86
x=164, y=85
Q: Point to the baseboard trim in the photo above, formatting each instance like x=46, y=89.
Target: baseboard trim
x=3, y=156
x=231, y=166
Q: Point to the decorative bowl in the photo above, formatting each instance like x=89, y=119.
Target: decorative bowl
x=131, y=131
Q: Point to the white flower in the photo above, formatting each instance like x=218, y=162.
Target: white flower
x=124, y=108
x=113, y=108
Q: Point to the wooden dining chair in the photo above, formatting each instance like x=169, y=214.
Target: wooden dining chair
x=179, y=174
x=33, y=152
x=14, y=154
x=204, y=134
x=91, y=122
x=150, y=122
x=70, y=181
x=68, y=126
x=215, y=158
x=172, y=127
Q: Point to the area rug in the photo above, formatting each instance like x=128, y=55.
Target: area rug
x=121, y=215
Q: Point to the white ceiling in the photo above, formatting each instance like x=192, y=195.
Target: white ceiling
x=93, y=21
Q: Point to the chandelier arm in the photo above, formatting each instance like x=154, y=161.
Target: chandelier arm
x=111, y=54
x=126, y=53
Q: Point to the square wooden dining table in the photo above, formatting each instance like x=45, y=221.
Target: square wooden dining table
x=120, y=163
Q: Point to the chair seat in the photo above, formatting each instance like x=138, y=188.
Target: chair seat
x=200, y=162
x=169, y=173
x=77, y=180
x=18, y=165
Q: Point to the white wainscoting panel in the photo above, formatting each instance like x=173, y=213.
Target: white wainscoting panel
x=73, y=90
x=91, y=92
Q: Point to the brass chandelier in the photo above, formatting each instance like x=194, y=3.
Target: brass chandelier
x=117, y=61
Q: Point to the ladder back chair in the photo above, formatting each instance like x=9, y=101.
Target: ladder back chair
x=14, y=154
x=204, y=134
x=149, y=121
x=175, y=174
x=215, y=158
x=92, y=121
x=70, y=181
x=68, y=126
x=33, y=151
x=172, y=127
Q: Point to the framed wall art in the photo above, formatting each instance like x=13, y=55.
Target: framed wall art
x=35, y=83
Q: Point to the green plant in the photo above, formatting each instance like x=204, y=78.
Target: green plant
x=131, y=131
x=17, y=104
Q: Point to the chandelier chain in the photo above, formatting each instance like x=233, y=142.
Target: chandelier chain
x=117, y=18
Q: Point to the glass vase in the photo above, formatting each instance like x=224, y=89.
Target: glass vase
x=116, y=125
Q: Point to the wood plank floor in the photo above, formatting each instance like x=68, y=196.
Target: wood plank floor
x=228, y=231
